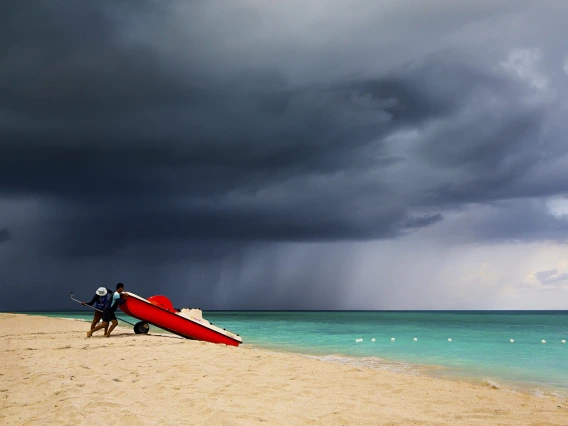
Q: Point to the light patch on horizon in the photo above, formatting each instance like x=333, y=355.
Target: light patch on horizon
x=425, y=274
x=487, y=275
x=558, y=207
x=548, y=278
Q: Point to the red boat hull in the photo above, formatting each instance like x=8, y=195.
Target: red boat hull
x=163, y=317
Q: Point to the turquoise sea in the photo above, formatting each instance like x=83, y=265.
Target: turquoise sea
x=480, y=349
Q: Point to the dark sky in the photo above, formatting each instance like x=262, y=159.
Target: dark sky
x=278, y=155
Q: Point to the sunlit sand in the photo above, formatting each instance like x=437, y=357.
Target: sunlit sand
x=51, y=374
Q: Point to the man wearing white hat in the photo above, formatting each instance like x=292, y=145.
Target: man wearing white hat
x=100, y=299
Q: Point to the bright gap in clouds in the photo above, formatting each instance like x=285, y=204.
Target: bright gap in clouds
x=558, y=207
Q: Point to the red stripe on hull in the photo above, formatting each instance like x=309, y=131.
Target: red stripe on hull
x=173, y=322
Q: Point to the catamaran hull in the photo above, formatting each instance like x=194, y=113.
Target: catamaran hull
x=195, y=328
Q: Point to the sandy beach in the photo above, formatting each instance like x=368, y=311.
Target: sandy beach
x=51, y=374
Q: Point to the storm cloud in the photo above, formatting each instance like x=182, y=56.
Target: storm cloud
x=4, y=235
x=224, y=137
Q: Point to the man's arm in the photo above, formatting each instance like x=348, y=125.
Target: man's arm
x=93, y=300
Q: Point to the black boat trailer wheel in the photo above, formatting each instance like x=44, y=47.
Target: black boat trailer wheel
x=141, y=327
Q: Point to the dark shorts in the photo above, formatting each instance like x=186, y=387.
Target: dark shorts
x=109, y=316
x=97, y=317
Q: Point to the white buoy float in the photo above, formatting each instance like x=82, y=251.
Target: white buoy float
x=415, y=339
x=512, y=341
x=450, y=339
x=543, y=341
x=563, y=341
x=392, y=339
x=373, y=339
x=358, y=340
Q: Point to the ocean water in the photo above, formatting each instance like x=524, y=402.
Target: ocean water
x=480, y=350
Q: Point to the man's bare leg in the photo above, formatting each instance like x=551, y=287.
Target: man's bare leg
x=96, y=320
x=114, y=324
x=97, y=328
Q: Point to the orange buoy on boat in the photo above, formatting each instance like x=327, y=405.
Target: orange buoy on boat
x=162, y=302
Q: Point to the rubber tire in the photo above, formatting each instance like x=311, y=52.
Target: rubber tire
x=141, y=328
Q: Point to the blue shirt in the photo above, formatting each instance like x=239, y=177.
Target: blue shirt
x=100, y=302
x=115, y=297
x=114, y=302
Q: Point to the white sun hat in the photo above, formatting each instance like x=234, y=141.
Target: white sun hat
x=101, y=291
